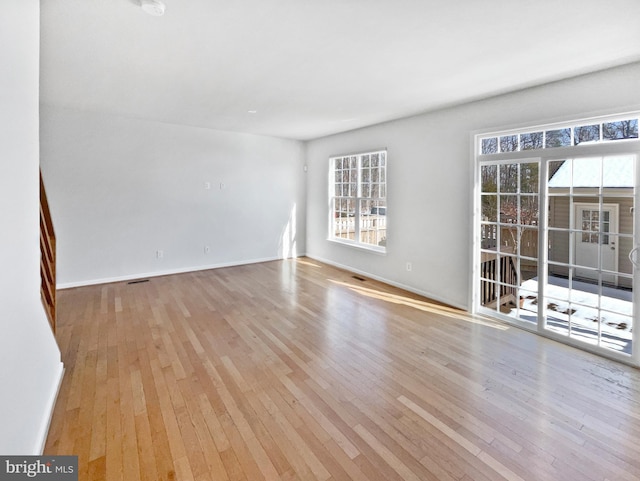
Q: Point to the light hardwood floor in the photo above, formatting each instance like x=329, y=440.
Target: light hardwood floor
x=295, y=370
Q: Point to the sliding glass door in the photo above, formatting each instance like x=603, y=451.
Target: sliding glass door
x=554, y=241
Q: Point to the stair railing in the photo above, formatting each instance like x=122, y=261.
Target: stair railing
x=47, y=258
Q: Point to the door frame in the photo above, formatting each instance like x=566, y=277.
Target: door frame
x=626, y=147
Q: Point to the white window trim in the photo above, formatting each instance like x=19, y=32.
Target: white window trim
x=571, y=125
x=382, y=250
x=608, y=147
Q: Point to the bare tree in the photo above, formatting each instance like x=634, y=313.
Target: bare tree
x=624, y=129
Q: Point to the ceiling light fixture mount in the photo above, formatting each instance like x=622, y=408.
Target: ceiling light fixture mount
x=153, y=7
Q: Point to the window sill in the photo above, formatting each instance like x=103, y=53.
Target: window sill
x=364, y=247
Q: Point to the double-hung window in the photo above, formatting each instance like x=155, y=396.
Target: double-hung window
x=358, y=200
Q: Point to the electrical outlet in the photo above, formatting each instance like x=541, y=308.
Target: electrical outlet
x=207, y=185
x=409, y=267
x=207, y=249
x=159, y=254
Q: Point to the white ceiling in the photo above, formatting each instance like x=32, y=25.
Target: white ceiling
x=316, y=67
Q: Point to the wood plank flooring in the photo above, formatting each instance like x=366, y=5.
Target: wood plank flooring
x=295, y=370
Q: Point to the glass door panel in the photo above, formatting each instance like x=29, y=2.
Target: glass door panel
x=509, y=238
x=588, y=295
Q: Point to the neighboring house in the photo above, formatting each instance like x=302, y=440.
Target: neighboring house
x=583, y=212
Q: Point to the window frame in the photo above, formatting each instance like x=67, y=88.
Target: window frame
x=357, y=198
x=546, y=155
x=537, y=138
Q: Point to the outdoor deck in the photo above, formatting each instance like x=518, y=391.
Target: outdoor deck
x=575, y=312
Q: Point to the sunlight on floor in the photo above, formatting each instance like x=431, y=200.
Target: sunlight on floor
x=307, y=263
x=422, y=305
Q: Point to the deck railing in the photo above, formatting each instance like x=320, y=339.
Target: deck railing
x=373, y=228
x=490, y=289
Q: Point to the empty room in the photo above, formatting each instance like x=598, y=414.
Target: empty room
x=340, y=240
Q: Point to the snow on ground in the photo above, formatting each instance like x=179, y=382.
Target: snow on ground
x=578, y=307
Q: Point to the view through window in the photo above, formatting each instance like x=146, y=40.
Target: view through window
x=358, y=196
x=556, y=229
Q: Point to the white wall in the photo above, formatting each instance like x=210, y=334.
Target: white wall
x=30, y=367
x=430, y=173
x=120, y=189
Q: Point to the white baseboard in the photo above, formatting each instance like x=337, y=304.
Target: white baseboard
x=183, y=270
x=414, y=290
x=51, y=404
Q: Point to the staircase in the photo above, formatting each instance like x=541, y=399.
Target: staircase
x=47, y=258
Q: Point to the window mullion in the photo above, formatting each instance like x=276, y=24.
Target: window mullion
x=543, y=242
x=358, y=194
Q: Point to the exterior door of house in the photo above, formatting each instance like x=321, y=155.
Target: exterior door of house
x=596, y=242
